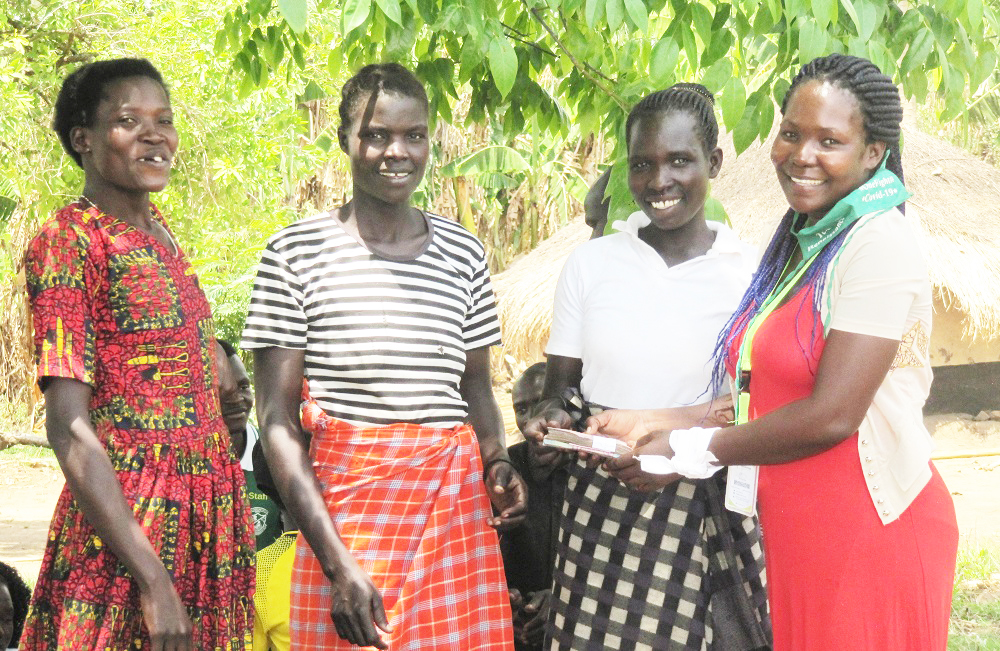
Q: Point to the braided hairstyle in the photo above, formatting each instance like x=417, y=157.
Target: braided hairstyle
x=20, y=595
x=84, y=89
x=374, y=79
x=693, y=99
x=882, y=114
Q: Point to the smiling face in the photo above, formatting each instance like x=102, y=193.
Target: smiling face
x=669, y=170
x=132, y=140
x=820, y=153
x=387, y=142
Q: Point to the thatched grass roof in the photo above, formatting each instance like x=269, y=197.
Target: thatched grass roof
x=956, y=197
x=525, y=291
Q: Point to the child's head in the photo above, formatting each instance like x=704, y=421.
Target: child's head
x=14, y=598
x=526, y=393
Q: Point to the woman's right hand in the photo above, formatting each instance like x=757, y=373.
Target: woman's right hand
x=166, y=618
x=356, y=606
x=627, y=425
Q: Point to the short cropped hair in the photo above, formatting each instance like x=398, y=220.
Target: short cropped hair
x=83, y=90
x=226, y=346
x=378, y=78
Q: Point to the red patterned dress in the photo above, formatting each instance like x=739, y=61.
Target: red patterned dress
x=116, y=309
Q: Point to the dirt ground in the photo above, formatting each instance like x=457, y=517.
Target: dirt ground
x=29, y=490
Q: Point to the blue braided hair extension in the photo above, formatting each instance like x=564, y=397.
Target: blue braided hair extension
x=882, y=112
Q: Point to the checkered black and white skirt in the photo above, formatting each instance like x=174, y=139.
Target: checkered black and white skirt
x=671, y=569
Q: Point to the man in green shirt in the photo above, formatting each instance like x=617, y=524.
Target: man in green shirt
x=236, y=398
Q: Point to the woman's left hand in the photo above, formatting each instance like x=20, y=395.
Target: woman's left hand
x=656, y=443
x=508, y=494
x=626, y=468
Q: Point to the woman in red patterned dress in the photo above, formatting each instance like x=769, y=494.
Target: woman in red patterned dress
x=151, y=544
x=830, y=354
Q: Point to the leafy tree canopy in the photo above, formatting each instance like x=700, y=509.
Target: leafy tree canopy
x=235, y=175
x=550, y=64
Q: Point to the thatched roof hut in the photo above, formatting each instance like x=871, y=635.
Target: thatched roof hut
x=525, y=291
x=956, y=197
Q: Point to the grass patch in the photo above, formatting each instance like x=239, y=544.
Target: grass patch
x=975, y=608
x=27, y=453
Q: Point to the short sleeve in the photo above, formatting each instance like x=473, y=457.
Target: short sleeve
x=482, y=326
x=566, y=332
x=877, y=279
x=276, y=316
x=62, y=278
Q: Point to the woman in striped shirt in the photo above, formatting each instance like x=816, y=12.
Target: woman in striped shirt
x=389, y=314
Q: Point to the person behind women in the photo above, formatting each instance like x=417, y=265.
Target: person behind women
x=596, y=205
x=528, y=549
x=831, y=347
x=389, y=314
x=236, y=401
x=14, y=597
x=150, y=545
x=641, y=564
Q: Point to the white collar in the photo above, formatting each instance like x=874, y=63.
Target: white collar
x=632, y=223
x=726, y=240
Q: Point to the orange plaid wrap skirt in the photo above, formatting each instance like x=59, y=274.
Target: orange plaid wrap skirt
x=410, y=504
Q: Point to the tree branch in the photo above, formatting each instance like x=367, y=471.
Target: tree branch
x=562, y=18
x=584, y=69
x=522, y=38
x=83, y=57
x=8, y=439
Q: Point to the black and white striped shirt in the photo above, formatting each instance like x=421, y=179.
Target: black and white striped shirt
x=385, y=339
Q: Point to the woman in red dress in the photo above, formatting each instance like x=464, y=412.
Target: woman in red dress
x=830, y=352
x=151, y=544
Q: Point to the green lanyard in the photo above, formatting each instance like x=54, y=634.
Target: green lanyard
x=743, y=363
x=881, y=192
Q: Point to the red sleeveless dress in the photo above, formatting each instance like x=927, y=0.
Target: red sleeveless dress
x=837, y=577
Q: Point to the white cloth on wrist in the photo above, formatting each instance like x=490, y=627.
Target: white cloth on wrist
x=691, y=456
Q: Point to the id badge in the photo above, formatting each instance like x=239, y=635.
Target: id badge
x=741, y=490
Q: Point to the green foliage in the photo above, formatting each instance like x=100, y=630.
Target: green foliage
x=975, y=611
x=27, y=453
x=8, y=200
x=529, y=188
x=234, y=177
x=559, y=63
x=494, y=161
x=294, y=13
x=534, y=79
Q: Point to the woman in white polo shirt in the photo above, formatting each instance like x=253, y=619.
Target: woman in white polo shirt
x=641, y=564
